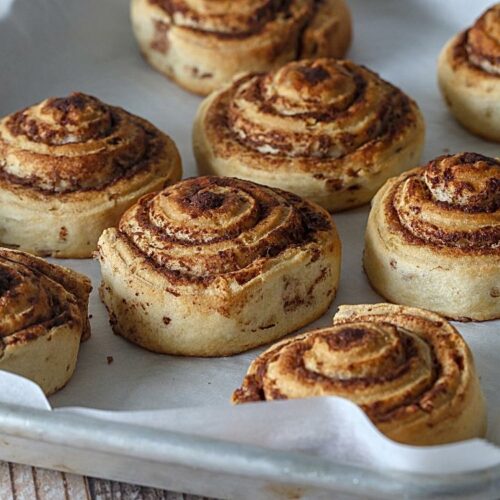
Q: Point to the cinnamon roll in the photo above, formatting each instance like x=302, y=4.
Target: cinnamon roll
x=43, y=318
x=328, y=130
x=202, y=44
x=213, y=266
x=69, y=167
x=407, y=368
x=469, y=75
x=433, y=238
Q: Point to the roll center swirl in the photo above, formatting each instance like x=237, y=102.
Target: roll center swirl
x=483, y=41
x=206, y=214
x=469, y=181
x=356, y=352
x=321, y=108
x=208, y=226
x=453, y=201
x=74, y=143
x=379, y=366
x=298, y=86
x=65, y=120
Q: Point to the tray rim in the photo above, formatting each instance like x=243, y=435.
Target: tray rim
x=124, y=439
x=291, y=467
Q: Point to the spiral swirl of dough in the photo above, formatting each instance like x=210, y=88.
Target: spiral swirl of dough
x=81, y=163
x=454, y=201
x=320, y=128
x=43, y=318
x=319, y=109
x=408, y=369
x=75, y=143
x=208, y=226
x=230, y=264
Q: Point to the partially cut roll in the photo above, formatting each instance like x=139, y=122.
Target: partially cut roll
x=407, y=368
x=213, y=266
x=43, y=318
x=433, y=238
x=202, y=44
x=469, y=75
x=327, y=130
x=69, y=168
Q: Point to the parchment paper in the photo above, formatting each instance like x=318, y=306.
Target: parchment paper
x=53, y=47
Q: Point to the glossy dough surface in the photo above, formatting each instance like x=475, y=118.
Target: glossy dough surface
x=43, y=318
x=202, y=44
x=69, y=167
x=408, y=369
x=215, y=266
x=330, y=131
x=469, y=75
x=433, y=238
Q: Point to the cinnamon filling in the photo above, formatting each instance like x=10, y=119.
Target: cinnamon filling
x=380, y=363
x=208, y=226
x=454, y=202
x=75, y=143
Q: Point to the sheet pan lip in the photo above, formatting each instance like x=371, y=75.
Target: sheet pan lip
x=14, y=422
x=139, y=442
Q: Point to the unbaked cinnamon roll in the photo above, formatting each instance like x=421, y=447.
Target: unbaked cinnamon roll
x=469, y=75
x=213, y=266
x=202, y=44
x=43, y=318
x=407, y=368
x=433, y=238
x=330, y=131
x=70, y=166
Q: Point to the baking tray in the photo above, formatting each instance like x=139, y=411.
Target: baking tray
x=52, y=47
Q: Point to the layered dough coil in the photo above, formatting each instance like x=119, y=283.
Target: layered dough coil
x=43, y=318
x=214, y=266
x=433, y=238
x=407, y=368
x=328, y=130
x=69, y=167
x=469, y=75
x=202, y=44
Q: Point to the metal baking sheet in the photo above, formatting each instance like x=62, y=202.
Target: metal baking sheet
x=53, y=47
